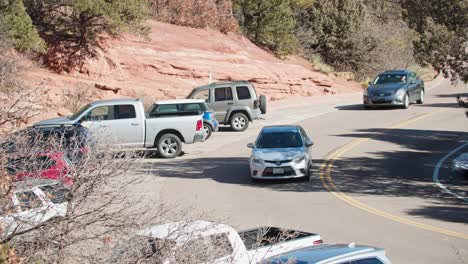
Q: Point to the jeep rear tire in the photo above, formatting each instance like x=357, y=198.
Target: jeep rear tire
x=239, y=122
x=169, y=146
x=263, y=104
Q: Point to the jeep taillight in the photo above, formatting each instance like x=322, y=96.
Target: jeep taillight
x=199, y=125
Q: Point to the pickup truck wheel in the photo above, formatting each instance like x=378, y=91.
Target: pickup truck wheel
x=207, y=129
x=239, y=122
x=169, y=146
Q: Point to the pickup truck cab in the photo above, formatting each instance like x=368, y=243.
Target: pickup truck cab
x=219, y=243
x=126, y=121
x=235, y=103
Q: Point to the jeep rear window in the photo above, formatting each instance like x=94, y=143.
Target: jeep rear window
x=223, y=94
x=243, y=93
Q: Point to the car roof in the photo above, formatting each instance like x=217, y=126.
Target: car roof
x=396, y=72
x=282, y=128
x=33, y=183
x=221, y=83
x=181, y=101
x=324, y=253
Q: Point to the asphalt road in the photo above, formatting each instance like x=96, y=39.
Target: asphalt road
x=372, y=181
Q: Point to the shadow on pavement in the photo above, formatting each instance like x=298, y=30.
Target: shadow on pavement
x=360, y=107
x=456, y=214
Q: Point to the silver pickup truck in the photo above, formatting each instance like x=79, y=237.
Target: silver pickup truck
x=125, y=120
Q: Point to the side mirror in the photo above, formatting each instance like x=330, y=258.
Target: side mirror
x=412, y=82
x=369, y=83
x=309, y=143
x=251, y=145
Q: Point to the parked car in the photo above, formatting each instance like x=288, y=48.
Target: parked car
x=74, y=140
x=46, y=165
x=460, y=164
x=126, y=121
x=32, y=203
x=333, y=254
x=235, y=103
x=394, y=88
x=210, y=124
x=280, y=152
x=219, y=243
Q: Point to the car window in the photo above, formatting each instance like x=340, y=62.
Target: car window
x=205, y=95
x=176, y=109
x=28, y=200
x=124, y=111
x=56, y=193
x=288, y=139
x=243, y=93
x=367, y=261
x=390, y=78
x=223, y=94
x=99, y=113
x=191, y=107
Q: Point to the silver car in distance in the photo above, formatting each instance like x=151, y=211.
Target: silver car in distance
x=280, y=152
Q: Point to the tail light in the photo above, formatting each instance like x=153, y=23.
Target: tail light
x=256, y=103
x=318, y=242
x=199, y=125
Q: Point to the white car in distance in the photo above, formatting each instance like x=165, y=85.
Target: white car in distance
x=280, y=152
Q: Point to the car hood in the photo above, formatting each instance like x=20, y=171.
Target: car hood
x=386, y=87
x=275, y=154
x=55, y=121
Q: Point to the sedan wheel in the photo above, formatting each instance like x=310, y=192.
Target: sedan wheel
x=421, y=98
x=207, y=130
x=406, y=101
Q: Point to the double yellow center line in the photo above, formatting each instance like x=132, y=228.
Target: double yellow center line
x=328, y=184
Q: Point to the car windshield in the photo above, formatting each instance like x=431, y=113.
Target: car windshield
x=81, y=111
x=283, y=139
x=390, y=78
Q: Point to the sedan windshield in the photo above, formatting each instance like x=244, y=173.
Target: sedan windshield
x=390, y=78
x=289, y=139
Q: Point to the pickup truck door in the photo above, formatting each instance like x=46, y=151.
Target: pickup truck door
x=221, y=101
x=121, y=123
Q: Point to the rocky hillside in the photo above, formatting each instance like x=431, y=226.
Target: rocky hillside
x=174, y=60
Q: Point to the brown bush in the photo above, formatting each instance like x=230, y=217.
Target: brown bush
x=215, y=14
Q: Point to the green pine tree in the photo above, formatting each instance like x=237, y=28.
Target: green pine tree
x=269, y=23
x=19, y=27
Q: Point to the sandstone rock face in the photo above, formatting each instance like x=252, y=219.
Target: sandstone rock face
x=175, y=59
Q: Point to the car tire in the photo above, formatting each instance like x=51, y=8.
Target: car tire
x=263, y=104
x=169, y=146
x=208, y=130
x=239, y=122
x=366, y=107
x=406, y=102
x=255, y=180
x=421, y=97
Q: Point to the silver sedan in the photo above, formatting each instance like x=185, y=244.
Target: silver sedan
x=280, y=152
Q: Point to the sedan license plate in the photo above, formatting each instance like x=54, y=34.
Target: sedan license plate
x=278, y=171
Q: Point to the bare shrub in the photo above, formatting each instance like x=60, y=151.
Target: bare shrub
x=75, y=98
x=18, y=101
x=215, y=14
x=320, y=65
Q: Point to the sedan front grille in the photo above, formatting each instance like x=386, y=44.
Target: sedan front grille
x=382, y=94
x=287, y=171
x=277, y=162
x=382, y=102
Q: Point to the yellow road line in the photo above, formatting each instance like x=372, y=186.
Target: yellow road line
x=327, y=182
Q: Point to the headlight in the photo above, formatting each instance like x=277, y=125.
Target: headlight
x=301, y=159
x=366, y=93
x=400, y=92
x=257, y=161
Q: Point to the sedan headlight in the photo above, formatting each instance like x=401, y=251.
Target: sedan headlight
x=257, y=161
x=400, y=92
x=300, y=159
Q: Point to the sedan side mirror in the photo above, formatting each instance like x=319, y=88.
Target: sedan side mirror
x=369, y=83
x=251, y=145
x=412, y=82
x=309, y=143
